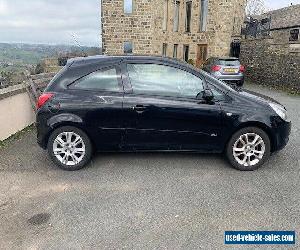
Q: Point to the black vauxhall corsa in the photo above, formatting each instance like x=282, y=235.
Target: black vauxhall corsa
x=146, y=103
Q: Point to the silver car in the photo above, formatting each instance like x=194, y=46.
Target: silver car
x=227, y=69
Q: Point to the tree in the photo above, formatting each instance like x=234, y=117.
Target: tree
x=40, y=68
x=256, y=7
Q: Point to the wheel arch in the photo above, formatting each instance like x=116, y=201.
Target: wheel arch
x=70, y=124
x=256, y=124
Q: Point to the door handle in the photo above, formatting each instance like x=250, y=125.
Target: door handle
x=139, y=108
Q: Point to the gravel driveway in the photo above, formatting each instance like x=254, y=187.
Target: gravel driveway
x=145, y=201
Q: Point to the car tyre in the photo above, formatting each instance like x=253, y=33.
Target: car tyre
x=240, y=83
x=248, y=149
x=69, y=148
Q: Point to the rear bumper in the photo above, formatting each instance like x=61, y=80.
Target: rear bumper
x=42, y=137
x=43, y=130
x=231, y=78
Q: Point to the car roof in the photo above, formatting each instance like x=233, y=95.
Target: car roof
x=80, y=61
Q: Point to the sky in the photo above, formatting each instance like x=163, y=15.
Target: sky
x=50, y=21
x=277, y=4
x=61, y=21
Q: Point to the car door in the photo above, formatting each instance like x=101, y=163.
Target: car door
x=162, y=112
x=97, y=98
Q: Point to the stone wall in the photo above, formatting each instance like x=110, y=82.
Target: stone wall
x=144, y=27
x=220, y=28
x=118, y=27
x=51, y=65
x=17, y=105
x=285, y=17
x=272, y=64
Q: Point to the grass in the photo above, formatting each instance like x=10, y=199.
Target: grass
x=16, y=136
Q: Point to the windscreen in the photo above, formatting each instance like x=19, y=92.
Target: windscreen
x=229, y=62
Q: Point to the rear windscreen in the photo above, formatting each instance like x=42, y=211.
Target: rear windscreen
x=229, y=62
x=56, y=77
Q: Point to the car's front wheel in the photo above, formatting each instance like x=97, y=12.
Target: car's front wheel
x=248, y=149
x=69, y=148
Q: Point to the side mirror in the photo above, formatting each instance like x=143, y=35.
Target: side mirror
x=206, y=95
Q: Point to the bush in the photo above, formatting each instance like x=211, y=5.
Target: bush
x=40, y=68
x=191, y=61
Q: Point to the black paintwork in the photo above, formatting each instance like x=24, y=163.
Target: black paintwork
x=124, y=121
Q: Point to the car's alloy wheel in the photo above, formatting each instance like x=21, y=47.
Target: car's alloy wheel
x=248, y=148
x=69, y=148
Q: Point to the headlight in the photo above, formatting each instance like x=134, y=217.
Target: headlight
x=280, y=110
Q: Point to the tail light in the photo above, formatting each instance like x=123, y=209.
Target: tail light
x=242, y=68
x=43, y=99
x=216, y=68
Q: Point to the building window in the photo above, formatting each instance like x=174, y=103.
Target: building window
x=128, y=6
x=294, y=35
x=186, y=49
x=164, y=49
x=166, y=13
x=128, y=48
x=176, y=16
x=175, y=50
x=203, y=15
x=201, y=54
x=188, y=16
x=234, y=24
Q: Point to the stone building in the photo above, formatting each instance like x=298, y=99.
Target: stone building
x=185, y=29
x=271, y=48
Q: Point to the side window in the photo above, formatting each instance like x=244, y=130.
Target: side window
x=106, y=79
x=153, y=79
x=218, y=94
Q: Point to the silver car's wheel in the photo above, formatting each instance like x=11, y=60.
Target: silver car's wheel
x=249, y=149
x=69, y=148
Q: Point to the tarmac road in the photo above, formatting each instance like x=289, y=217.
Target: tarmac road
x=146, y=200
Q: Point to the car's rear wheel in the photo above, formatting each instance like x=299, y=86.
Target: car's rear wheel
x=240, y=83
x=248, y=149
x=69, y=148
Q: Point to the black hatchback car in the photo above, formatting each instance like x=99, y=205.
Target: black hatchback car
x=142, y=103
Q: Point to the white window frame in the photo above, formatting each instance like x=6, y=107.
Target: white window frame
x=175, y=51
x=203, y=15
x=166, y=15
x=176, y=15
x=125, y=9
x=186, y=15
x=164, y=49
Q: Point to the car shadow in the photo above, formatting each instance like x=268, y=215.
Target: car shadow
x=159, y=159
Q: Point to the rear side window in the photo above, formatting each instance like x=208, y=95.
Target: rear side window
x=56, y=78
x=229, y=62
x=106, y=80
